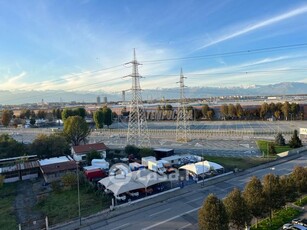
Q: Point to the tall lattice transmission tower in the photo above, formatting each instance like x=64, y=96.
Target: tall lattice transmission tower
x=137, y=127
x=182, y=130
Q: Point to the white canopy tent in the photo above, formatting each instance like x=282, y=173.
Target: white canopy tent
x=122, y=187
x=196, y=168
x=148, y=178
x=132, y=181
x=210, y=165
x=201, y=167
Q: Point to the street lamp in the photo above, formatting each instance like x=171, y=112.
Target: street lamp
x=79, y=207
x=203, y=167
x=270, y=191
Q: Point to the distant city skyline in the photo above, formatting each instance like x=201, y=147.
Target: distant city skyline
x=83, y=45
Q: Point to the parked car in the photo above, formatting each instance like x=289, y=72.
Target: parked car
x=298, y=227
x=143, y=190
x=121, y=197
x=296, y=221
x=287, y=226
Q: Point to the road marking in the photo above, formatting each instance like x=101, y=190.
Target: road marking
x=119, y=227
x=165, y=210
x=167, y=220
x=185, y=226
x=194, y=200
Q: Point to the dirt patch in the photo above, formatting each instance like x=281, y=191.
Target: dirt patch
x=25, y=202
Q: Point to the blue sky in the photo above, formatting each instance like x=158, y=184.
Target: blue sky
x=71, y=44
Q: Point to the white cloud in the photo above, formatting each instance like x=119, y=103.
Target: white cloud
x=258, y=25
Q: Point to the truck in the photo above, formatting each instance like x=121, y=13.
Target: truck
x=101, y=163
x=146, y=159
x=156, y=166
x=134, y=166
x=95, y=174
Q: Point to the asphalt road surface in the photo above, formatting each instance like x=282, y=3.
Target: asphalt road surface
x=180, y=212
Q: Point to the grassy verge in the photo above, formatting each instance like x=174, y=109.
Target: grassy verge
x=263, y=146
x=7, y=215
x=235, y=162
x=301, y=202
x=280, y=218
x=63, y=205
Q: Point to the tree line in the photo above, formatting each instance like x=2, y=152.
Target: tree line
x=259, y=199
x=277, y=111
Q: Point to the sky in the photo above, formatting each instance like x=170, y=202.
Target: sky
x=84, y=45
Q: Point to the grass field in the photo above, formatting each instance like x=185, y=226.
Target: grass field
x=63, y=206
x=235, y=162
x=263, y=146
x=7, y=215
x=279, y=219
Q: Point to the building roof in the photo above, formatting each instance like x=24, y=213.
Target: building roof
x=58, y=167
x=20, y=166
x=83, y=149
x=55, y=160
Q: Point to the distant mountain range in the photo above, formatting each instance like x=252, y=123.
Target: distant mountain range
x=22, y=97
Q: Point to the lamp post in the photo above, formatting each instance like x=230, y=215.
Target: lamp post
x=203, y=184
x=79, y=207
x=270, y=191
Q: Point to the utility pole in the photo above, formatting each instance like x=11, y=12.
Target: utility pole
x=182, y=130
x=137, y=127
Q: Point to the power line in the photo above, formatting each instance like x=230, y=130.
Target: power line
x=233, y=53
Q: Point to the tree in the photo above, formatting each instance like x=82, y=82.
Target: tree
x=25, y=113
x=41, y=114
x=76, y=130
x=232, y=111
x=277, y=114
x=168, y=107
x=289, y=187
x=98, y=118
x=264, y=110
x=32, y=121
x=145, y=152
x=107, y=116
x=58, y=113
x=92, y=155
x=212, y=215
x=237, y=209
x=280, y=140
x=7, y=116
x=9, y=147
x=254, y=197
x=295, y=141
x=272, y=150
x=79, y=112
x=286, y=109
x=294, y=109
x=210, y=114
x=204, y=110
x=272, y=108
x=66, y=113
x=239, y=110
x=45, y=146
x=299, y=175
x=224, y=111
x=273, y=192
x=69, y=180
x=131, y=149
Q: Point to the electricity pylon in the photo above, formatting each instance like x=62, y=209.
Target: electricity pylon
x=182, y=130
x=137, y=127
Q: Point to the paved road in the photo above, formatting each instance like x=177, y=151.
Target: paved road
x=180, y=212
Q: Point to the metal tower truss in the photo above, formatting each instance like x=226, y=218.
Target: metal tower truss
x=182, y=130
x=137, y=127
